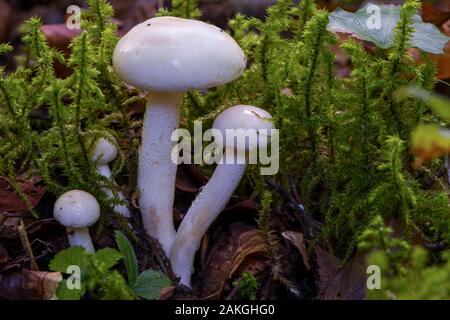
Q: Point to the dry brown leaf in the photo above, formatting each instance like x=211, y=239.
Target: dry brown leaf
x=336, y=283
x=29, y=285
x=251, y=242
x=59, y=36
x=443, y=62
x=184, y=184
x=10, y=201
x=298, y=240
x=167, y=293
x=228, y=254
x=438, y=13
x=43, y=283
x=435, y=13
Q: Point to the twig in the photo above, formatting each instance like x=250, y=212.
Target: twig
x=298, y=205
x=306, y=219
x=26, y=245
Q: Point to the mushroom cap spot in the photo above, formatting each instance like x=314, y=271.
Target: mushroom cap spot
x=244, y=122
x=168, y=54
x=76, y=209
x=104, y=152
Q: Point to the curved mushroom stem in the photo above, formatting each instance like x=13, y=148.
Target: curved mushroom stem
x=208, y=204
x=80, y=237
x=157, y=172
x=121, y=209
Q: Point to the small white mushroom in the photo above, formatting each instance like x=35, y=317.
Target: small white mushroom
x=77, y=210
x=214, y=196
x=167, y=56
x=104, y=153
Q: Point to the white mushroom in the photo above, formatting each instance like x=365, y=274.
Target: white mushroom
x=77, y=210
x=167, y=56
x=104, y=153
x=216, y=193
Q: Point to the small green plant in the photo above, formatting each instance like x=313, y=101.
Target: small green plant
x=96, y=279
x=147, y=284
x=377, y=236
x=247, y=287
x=418, y=281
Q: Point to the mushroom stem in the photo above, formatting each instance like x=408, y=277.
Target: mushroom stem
x=80, y=237
x=157, y=172
x=121, y=209
x=208, y=204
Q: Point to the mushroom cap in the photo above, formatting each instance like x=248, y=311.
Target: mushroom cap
x=104, y=152
x=168, y=54
x=76, y=209
x=247, y=118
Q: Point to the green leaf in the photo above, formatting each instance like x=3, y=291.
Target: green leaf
x=360, y=25
x=73, y=256
x=129, y=256
x=64, y=293
x=437, y=103
x=108, y=256
x=150, y=283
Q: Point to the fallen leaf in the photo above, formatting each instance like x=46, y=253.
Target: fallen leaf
x=59, y=36
x=10, y=201
x=327, y=267
x=29, y=285
x=228, y=254
x=443, y=64
x=434, y=13
x=350, y=282
x=43, y=283
x=167, y=293
x=426, y=37
x=184, y=184
x=249, y=243
x=298, y=240
x=243, y=206
x=438, y=13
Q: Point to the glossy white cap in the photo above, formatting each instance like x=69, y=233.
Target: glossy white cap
x=246, y=118
x=105, y=152
x=168, y=54
x=76, y=209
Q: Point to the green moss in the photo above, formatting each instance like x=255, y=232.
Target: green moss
x=247, y=287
